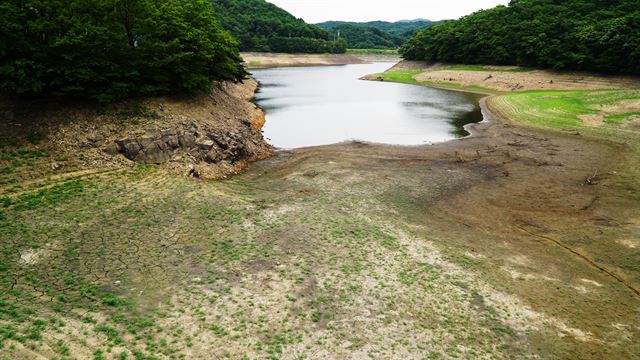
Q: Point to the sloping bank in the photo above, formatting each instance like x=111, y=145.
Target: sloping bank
x=269, y=60
x=207, y=135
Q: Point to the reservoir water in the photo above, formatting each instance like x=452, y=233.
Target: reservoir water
x=322, y=105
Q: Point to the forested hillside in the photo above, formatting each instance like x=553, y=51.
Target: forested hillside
x=110, y=49
x=374, y=34
x=589, y=35
x=262, y=26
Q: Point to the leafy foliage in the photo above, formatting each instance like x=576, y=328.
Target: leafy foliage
x=602, y=35
x=364, y=37
x=262, y=26
x=374, y=34
x=110, y=49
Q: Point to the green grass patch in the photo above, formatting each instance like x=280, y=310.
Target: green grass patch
x=620, y=117
x=46, y=197
x=401, y=76
x=22, y=154
x=112, y=300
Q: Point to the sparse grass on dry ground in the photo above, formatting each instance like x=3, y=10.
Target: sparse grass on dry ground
x=314, y=264
x=145, y=264
x=288, y=261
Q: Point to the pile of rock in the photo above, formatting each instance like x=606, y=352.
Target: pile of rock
x=158, y=146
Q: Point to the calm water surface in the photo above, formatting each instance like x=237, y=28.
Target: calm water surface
x=328, y=104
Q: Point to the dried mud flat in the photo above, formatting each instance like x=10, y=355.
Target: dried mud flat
x=490, y=247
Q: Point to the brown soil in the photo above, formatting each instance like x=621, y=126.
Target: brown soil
x=518, y=198
x=266, y=60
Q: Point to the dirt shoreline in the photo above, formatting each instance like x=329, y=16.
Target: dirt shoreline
x=254, y=60
x=530, y=210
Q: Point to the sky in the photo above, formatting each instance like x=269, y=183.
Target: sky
x=315, y=11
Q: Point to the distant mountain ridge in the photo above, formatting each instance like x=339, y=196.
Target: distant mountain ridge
x=414, y=20
x=375, y=34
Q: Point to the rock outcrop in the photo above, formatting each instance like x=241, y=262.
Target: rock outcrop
x=194, y=141
x=209, y=135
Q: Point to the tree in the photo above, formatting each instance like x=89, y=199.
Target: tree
x=262, y=26
x=111, y=49
x=589, y=35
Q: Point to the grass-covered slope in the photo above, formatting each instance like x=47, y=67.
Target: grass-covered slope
x=374, y=34
x=613, y=114
x=261, y=26
x=575, y=34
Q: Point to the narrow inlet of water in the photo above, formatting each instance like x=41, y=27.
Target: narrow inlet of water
x=320, y=105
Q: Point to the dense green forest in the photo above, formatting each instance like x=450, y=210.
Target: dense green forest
x=110, y=49
x=262, y=26
x=374, y=34
x=602, y=35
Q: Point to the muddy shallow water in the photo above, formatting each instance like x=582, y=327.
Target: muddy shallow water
x=322, y=105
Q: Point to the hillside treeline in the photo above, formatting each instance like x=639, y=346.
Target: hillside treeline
x=111, y=49
x=364, y=37
x=593, y=35
x=262, y=26
x=374, y=34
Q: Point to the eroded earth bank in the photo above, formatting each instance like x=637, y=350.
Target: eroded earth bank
x=518, y=242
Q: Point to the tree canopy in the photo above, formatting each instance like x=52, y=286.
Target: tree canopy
x=600, y=35
x=261, y=26
x=105, y=50
x=364, y=37
x=374, y=34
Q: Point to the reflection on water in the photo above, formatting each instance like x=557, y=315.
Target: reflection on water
x=328, y=104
